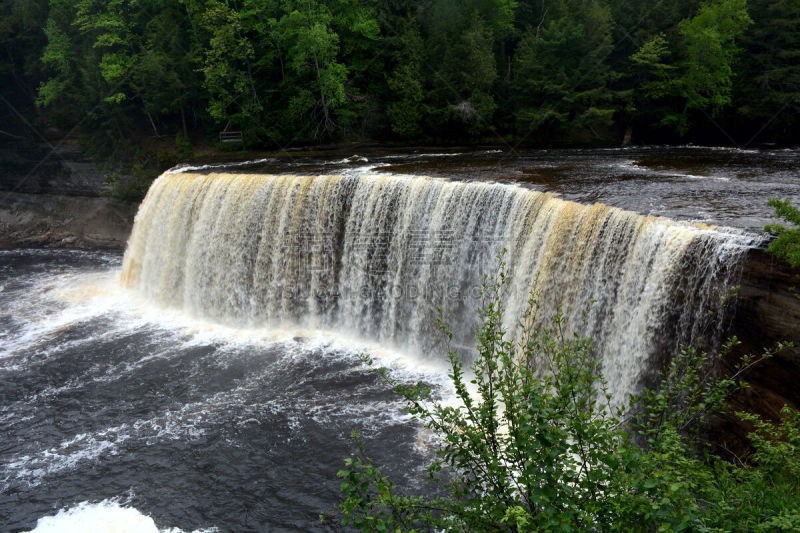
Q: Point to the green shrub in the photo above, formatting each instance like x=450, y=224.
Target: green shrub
x=183, y=147
x=787, y=245
x=131, y=188
x=539, y=446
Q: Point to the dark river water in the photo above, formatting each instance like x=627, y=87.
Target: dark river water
x=106, y=401
x=114, y=410
x=722, y=186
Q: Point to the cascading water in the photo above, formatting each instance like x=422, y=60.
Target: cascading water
x=376, y=255
x=221, y=387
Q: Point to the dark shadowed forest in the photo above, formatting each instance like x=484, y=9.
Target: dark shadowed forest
x=123, y=75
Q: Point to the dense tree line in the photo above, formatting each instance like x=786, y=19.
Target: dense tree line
x=311, y=71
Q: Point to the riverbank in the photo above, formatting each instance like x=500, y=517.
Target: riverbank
x=64, y=221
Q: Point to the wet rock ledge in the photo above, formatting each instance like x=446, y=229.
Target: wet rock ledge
x=54, y=195
x=64, y=221
x=767, y=312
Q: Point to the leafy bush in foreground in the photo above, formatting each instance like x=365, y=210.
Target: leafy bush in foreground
x=539, y=446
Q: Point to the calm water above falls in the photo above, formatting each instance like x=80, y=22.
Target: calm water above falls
x=724, y=186
x=207, y=395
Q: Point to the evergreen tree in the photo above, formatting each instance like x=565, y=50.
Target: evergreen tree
x=21, y=42
x=227, y=67
x=405, y=82
x=562, y=75
x=769, y=84
x=698, y=74
x=289, y=71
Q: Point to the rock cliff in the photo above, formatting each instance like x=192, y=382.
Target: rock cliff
x=64, y=221
x=54, y=195
x=767, y=312
x=37, y=168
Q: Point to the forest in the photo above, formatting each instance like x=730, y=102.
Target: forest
x=122, y=75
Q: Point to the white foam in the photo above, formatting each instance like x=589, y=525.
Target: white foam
x=352, y=159
x=104, y=517
x=53, y=304
x=631, y=166
x=428, y=154
x=107, y=516
x=74, y=298
x=179, y=169
x=732, y=149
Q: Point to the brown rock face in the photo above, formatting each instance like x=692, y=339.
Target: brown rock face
x=767, y=312
x=64, y=221
x=62, y=169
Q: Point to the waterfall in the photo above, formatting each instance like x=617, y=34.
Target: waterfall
x=375, y=255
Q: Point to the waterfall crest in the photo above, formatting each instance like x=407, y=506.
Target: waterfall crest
x=376, y=255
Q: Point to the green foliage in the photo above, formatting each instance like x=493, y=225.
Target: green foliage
x=183, y=146
x=131, y=187
x=294, y=71
x=562, y=74
x=696, y=71
x=406, y=83
x=768, y=84
x=787, y=245
x=710, y=45
x=227, y=67
x=762, y=494
x=535, y=443
x=313, y=49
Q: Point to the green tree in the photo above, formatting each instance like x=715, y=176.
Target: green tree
x=61, y=58
x=470, y=72
x=311, y=38
x=769, y=84
x=636, y=22
x=699, y=75
x=22, y=41
x=406, y=83
x=562, y=76
x=573, y=71
x=654, y=81
x=460, y=58
x=113, y=62
x=710, y=40
x=227, y=67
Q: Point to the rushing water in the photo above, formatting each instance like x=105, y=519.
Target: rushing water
x=194, y=424
x=374, y=255
x=211, y=380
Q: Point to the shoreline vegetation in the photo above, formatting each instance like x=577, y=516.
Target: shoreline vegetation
x=538, y=443
x=598, y=466
x=142, y=85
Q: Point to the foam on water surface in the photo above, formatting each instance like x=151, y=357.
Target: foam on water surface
x=107, y=516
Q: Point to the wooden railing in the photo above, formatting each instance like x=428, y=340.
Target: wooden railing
x=230, y=136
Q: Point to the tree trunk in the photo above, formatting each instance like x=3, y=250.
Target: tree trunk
x=153, y=124
x=183, y=123
x=626, y=140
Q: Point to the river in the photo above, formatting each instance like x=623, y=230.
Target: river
x=180, y=390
